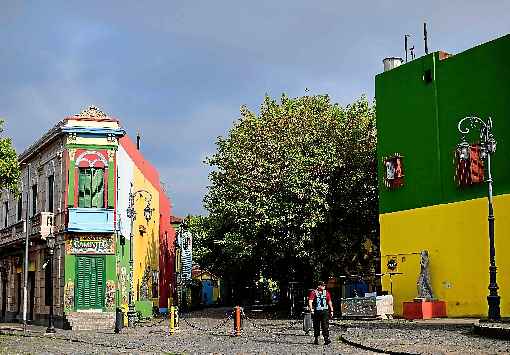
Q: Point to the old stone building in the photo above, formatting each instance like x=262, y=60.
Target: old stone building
x=41, y=203
x=77, y=181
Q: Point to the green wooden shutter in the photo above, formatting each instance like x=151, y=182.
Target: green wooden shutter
x=90, y=282
x=97, y=188
x=79, y=283
x=100, y=271
x=84, y=187
x=87, y=270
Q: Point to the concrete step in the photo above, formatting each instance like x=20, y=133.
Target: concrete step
x=91, y=320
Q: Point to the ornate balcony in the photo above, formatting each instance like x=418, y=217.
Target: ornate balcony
x=41, y=224
x=12, y=233
x=86, y=220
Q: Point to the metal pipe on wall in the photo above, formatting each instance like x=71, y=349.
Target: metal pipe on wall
x=27, y=232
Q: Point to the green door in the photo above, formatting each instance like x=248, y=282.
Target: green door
x=90, y=284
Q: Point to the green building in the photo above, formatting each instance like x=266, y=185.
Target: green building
x=423, y=203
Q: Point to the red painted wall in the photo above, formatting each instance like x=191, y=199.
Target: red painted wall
x=166, y=251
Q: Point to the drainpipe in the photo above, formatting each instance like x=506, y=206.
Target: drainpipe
x=25, y=286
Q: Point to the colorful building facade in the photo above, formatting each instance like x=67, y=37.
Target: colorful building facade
x=183, y=263
x=423, y=205
x=81, y=174
x=210, y=286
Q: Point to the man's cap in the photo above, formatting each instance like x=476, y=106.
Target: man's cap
x=321, y=283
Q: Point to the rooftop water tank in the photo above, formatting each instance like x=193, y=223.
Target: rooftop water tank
x=391, y=63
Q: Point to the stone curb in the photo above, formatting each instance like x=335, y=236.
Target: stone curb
x=404, y=326
x=370, y=348
x=491, y=331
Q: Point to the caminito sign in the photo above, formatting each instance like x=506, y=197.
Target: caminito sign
x=93, y=244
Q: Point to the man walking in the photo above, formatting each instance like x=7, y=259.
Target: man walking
x=318, y=301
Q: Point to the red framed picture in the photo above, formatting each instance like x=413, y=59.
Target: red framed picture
x=394, y=171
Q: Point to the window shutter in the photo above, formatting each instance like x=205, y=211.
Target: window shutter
x=98, y=188
x=100, y=282
x=84, y=186
x=86, y=281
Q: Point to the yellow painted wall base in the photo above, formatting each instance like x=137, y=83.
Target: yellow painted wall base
x=456, y=237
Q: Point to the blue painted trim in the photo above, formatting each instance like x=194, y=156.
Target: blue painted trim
x=91, y=220
x=118, y=132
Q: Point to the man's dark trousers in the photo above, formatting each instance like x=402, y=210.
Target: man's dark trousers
x=321, y=320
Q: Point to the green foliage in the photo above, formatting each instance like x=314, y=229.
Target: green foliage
x=9, y=165
x=293, y=191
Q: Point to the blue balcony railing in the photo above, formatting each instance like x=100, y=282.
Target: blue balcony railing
x=96, y=220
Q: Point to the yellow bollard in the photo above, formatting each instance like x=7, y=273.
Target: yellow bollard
x=176, y=317
x=172, y=320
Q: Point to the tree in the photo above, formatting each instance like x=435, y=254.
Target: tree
x=293, y=192
x=9, y=165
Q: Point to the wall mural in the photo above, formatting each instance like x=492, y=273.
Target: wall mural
x=91, y=158
x=69, y=296
x=145, y=284
x=123, y=285
x=91, y=245
x=110, y=295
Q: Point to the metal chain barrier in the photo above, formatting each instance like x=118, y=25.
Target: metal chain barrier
x=154, y=324
x=267, y=331
x=211, y=329
x=290, y=325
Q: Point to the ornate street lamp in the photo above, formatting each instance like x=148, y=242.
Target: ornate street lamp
x=131, y=213
x=487, y=148
x=50, y=242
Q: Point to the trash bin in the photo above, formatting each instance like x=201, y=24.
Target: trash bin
x=119, y=319
x=307, y=321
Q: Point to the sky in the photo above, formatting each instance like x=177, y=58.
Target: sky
x=178, y=71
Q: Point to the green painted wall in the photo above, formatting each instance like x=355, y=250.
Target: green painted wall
x=122, y=259
x=70, y=279
x=70, y=184
x=419, y=120
x=111, y=184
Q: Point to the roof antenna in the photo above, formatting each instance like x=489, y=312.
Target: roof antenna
x=425, y=37
x=138, y=140
x=405, y=43
x=412, y=52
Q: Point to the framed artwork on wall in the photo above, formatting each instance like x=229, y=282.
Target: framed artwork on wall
x=394, y=171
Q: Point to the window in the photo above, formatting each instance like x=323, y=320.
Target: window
x=50, y=193
x=6, y=213
x=91, y=188
x=34, y=199
x=20, y=208
x=427, y=76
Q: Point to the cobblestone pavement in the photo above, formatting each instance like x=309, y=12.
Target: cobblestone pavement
x=422, y=338
x=209, y=333
x=199, y=333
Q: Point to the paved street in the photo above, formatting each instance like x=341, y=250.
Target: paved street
x=209, y=332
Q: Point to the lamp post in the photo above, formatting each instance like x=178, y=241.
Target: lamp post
x=131, y=214
x=487, y=148
x=50, y=242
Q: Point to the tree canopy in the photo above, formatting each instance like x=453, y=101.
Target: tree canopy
x=293, y=192
x=9, y=166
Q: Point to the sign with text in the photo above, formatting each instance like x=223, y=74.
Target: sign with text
x=93, y=244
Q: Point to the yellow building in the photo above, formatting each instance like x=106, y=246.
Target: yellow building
x=432, y=199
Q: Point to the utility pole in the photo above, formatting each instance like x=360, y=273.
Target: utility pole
x=425, y=38
x=27, y=233
x=405, y=43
